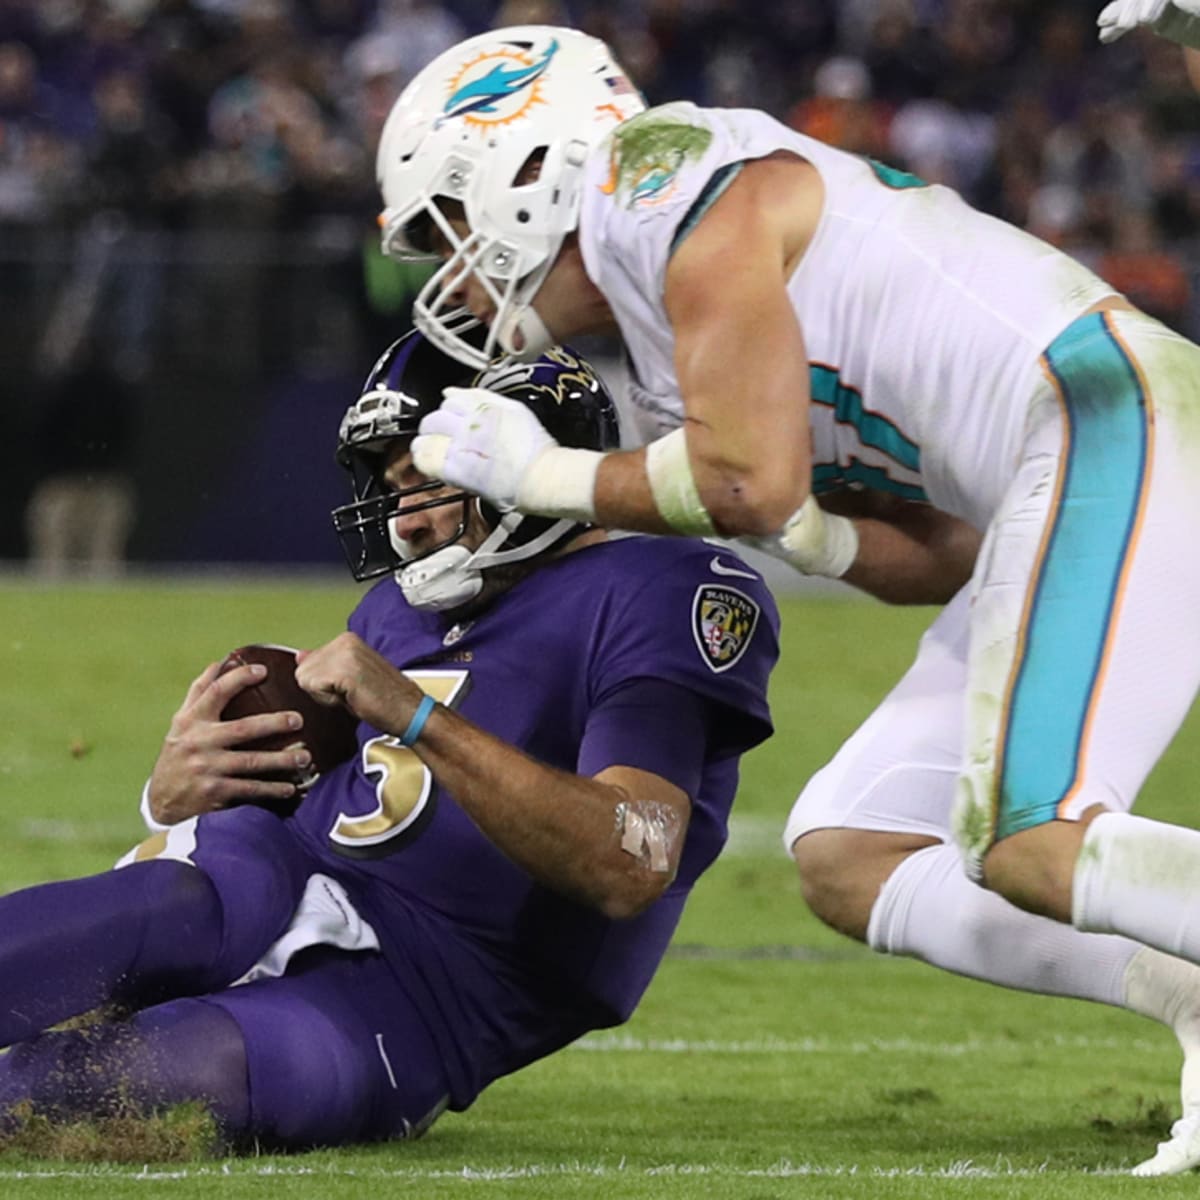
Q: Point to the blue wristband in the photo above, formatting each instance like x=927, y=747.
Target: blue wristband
x=410, y=735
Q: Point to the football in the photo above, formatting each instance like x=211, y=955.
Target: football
x=329, y=733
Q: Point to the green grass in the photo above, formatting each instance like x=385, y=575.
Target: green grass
x=770, y=1058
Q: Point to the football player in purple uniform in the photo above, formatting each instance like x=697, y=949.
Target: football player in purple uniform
x=551, y=722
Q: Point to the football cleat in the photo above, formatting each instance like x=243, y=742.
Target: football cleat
x=1181, y=1152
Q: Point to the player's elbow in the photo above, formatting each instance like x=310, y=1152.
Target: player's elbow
x=754, y=503
x=629, y=897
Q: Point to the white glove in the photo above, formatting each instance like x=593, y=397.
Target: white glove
x=494, y=447
x=813, y=541
x=1178, y=20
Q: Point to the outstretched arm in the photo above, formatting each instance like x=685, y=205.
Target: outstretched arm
x=740, y=465
x=612, y=841
x=907, y=553
x=899, y=551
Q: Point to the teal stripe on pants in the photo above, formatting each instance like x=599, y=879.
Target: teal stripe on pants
x=1077, y=581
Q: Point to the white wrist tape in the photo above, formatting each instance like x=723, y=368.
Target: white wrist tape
x=676, y=497
x=154, y=825
x=561, y=482
x=815, y=542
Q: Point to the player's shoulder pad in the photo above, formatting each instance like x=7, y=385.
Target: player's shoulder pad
x=654, y=159
x=728, y=604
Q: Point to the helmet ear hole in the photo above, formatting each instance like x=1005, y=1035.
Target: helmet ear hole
x=418, y=233
x=531, y=169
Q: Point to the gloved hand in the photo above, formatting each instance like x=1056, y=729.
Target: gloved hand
x=1178, y=20
x=494, y=447
x=482, y=442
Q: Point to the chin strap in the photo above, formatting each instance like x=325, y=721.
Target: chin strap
x=523, y=334
x=453, y=575
x=441, y=581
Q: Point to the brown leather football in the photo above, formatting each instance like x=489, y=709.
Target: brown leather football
x=330, y=733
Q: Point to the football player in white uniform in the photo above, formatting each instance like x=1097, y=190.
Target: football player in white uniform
x=801, y=322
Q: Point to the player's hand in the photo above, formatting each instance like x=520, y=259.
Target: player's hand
x=347, y=671
x=200, y=768
x=1178, y=20
x=482, y=442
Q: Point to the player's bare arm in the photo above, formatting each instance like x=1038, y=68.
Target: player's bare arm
x=612, y=842
x=200, y=767
x=742, y=370
x=739, y=352
x=741, y=463
x=908, y=553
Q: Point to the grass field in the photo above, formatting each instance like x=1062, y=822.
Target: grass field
x=770, y=1058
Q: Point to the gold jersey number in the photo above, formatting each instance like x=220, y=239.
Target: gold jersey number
x=403, y=783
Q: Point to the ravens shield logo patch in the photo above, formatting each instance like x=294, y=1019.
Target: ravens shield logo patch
x=723, y=622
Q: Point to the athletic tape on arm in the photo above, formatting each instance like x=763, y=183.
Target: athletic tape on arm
x=814, y=542
x=675, y=494
x=648, y=831
x=561, y=482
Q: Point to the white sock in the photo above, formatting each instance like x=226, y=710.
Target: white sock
x=1167, y=989
x=1140, y=878
x=930, y=910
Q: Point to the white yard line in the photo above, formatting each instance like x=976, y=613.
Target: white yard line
x=623, y=1043
x=785, y=1169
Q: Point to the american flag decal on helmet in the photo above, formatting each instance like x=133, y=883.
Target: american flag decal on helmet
x=723, y=622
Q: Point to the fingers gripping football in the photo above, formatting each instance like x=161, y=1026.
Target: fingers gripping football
x=483, y=442
x=245, y=734
x=200, y=767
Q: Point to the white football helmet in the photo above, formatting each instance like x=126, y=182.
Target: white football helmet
x=469, y=128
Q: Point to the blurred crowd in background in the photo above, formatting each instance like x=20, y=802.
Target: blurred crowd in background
x=188, y=245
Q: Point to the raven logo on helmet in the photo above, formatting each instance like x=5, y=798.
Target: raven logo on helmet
x=407, y=382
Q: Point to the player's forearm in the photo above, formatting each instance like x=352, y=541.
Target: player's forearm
x=924, y=559
x=673, y=487
x=739, y=355
x=623, y=496
x=561, y=828
x=899, y=551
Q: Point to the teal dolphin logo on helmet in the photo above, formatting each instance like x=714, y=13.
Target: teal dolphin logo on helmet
x=500, y=83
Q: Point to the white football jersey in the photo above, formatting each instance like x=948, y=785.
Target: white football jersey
x=923, y=319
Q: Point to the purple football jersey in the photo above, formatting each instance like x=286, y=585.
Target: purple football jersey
x=498, y=962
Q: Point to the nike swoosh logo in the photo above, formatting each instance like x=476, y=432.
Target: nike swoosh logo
x=717, y=567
